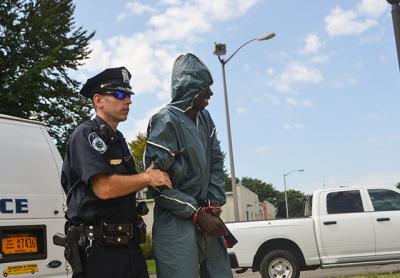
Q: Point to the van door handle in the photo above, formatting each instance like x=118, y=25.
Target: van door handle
x=383, y=219
x=330, y=223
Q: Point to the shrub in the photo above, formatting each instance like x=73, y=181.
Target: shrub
x=147, y=247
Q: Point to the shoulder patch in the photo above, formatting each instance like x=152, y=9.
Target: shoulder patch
x=97, y=143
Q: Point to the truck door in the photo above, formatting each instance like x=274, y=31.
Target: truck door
x=345, y=230
x=386, y=219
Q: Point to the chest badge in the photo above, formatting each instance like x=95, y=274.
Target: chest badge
x=97, y=143
x=115, y=161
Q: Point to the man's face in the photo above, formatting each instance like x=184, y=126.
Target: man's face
x=114, y=107
x=201, y=101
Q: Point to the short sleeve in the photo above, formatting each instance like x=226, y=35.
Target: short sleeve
x=86, y=150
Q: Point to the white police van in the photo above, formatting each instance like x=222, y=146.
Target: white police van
x=31, y=201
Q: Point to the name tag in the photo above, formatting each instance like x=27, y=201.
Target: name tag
x=115, y=161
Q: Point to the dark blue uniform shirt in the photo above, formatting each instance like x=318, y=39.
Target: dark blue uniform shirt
x=94, y=148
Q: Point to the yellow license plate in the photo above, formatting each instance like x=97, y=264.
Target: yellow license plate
x=17, y=244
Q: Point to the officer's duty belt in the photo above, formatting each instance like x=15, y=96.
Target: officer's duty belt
x=110, y=234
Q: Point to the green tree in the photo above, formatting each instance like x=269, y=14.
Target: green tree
x=296, y=203
x=137, y=147
x=398, y=185
x=265, y=191
x=39, y=45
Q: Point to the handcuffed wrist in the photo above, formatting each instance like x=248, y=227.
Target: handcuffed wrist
x=196, y=214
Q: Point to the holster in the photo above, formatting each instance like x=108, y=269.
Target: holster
x=74, y=240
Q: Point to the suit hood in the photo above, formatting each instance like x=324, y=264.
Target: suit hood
x=189, y=77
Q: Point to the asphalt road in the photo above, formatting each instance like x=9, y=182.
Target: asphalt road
x=334, y=272
x=331, y=273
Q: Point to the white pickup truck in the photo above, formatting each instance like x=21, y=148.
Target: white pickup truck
x=343, y=227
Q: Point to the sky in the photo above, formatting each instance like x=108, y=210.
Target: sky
x=323, y=95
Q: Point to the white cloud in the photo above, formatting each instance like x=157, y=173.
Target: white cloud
x=246, y=67
x=370, y=179
x=144, y=60
x=383, y=58
x=375, y=116
x=241, y=110
x=293, y=126
x=149, y=55
x=279, y=55
x=195, y=17
x=373, y=8
x=140, y=125
x=320, y=59
x=121, y=17
x=270, y=71
x=296, y=73
x=307, y=103
x=340, y=22
x=170, y=2
x=359, y=64
x=271, y=98
x=384, y=140
x=263, y=149
x=139, y=8
x=135, y=8
x=150, y=65
x=301, y=73
x=99, y=57
x=338, y=85
x=292, y=102
x=313, y=43
x=352, y=80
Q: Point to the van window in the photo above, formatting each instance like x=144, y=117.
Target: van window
x=344, y=202
x=384, y=199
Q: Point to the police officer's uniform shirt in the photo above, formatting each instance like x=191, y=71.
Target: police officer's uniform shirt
x=94, y=148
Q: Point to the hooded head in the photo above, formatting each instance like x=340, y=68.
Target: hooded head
x=189, y=77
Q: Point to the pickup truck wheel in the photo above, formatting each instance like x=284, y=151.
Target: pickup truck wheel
x=279, y=264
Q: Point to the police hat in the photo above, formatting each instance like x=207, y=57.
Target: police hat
x=109, y=79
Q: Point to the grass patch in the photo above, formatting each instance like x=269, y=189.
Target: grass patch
x=151, y=266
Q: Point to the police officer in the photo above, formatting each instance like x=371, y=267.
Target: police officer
x=100, y=180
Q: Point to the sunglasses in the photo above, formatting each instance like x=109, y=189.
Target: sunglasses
x=120, y=95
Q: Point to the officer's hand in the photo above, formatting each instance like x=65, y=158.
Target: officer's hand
x=210, y=224
x=158, y=177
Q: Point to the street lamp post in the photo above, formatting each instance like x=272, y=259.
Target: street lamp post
x=284, y=182
x=220, y=49
x=396, y=24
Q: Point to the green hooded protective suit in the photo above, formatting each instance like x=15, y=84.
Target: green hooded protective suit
x=191, y=154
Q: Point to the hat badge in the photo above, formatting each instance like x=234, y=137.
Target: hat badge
x=125, y=76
